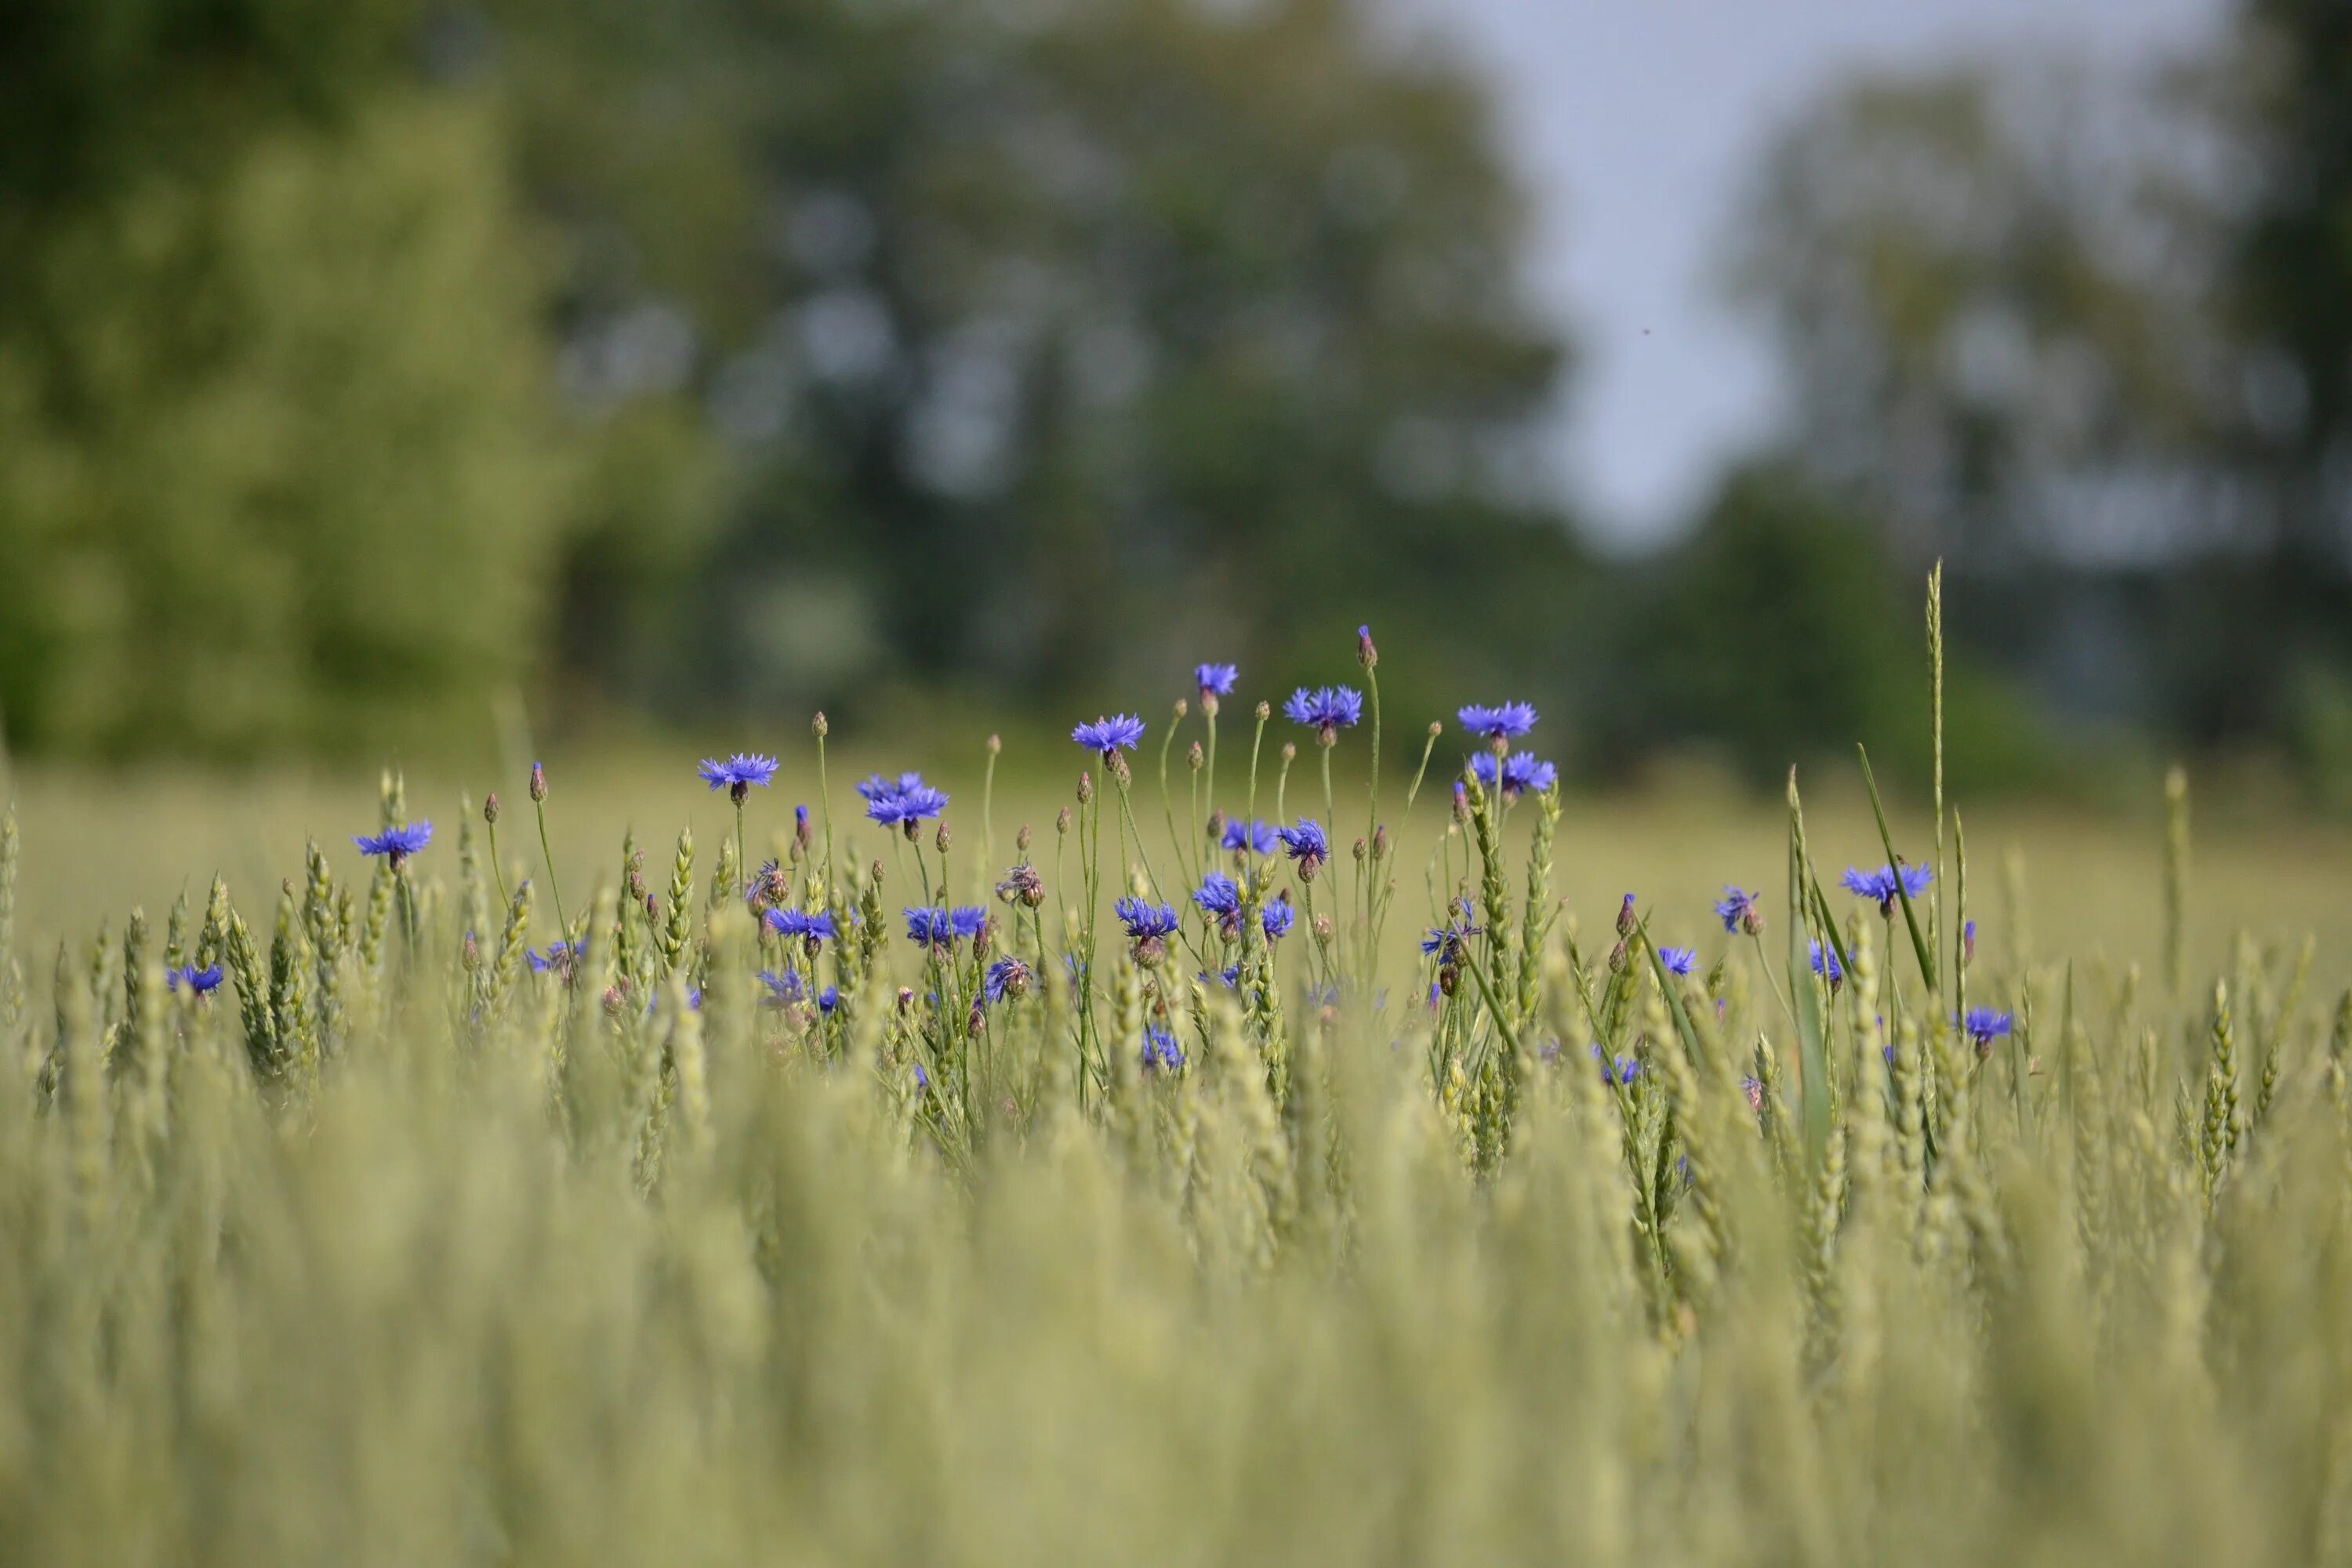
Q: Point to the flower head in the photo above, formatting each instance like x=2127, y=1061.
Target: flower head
x=1107, y=735
x=1826, y=964
x=396, y=843
x=1678, y=960
x=1220, y=897
x=1740, y=912
x=1984, y=1026
x=1518, y=774
x=934, y=927
x=1885, y=884
x=1508, y=722
x=1215, y=679
x=737, y=773
x=1446, y=942
x=784, y=989
x=560, y=957
x=815, y=925
x=907, y=807
x=874, y=786
x=1007, y=977
x=1161, y=1051
x=1143, y=919
x=196, y=982
x=1306, y=846
x=1277, y=916
x=1624, y=1069
x=1254, y=836
x=1326, y=710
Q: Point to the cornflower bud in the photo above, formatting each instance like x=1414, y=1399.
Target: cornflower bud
x=995, y=744
x=470, y=954
x=1366, y=654
x=538, y=782
x=1182, y=707
x=1361, y=850
x=1021, y=840
x=1085, y=786
x=1617, y=958
x=1625, y=921
x=1323, y=929
x=1118, y=769
x=1193, y=758
x=490, y=809
x=818, y=727
x=941, y=838
x=1265, y=710
x=1062, y=822
x=1381, y=842
x=1289, y=752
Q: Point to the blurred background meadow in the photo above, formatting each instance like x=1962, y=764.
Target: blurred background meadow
x=457, y=381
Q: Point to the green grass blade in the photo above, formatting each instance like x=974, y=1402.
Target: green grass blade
x=1812, y=1057
x=1919, y=947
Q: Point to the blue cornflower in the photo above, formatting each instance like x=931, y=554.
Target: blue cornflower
x=1738, y=912
x=396, y=843
x=1446, y=942
x=1221, y=896
x=1160, y=1050
x=1882, y=883
x=1826, y=964
x=1984, y=1026
x=559, y=956
x=1625, y=1070
x=1107, y=735
x=815, y=925
x=922, y=1080
x=828, y=999
x=196, y=982
x=1503, y=723
x=1254, y=836
x=1968, y=942
x=1277, y=918
x=737, y=773
x=1326, y=710
x=1521, y=772
x=935, y=926
x=1678, y=960
x=1214, y=680
x=1306, y=846
x=1143, y=919
x=874, y=786
x=907, y=807
x=1229, y=976
x=783, y=989
x=1007, y=977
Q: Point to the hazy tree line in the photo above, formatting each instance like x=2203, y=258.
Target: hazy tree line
x=362, y=365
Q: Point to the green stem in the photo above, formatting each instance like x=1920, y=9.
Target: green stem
x=563, y=926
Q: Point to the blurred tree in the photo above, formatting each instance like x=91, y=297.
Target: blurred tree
x=278, y=468
x=1021, y=320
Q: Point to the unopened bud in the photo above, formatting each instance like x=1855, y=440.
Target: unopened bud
x=1366, y=654
x=490, y=809
x=1461, y=802
x=1265, y=710
x=1436, y=728
x=1085, y=786
x=1193, y=758
x=1289, y=752
x=1182, y=707
x=1217, y=824
x=470, y=954
x=538, y=782
x=1323, y=929
x=1625, y=921
x=818, y=727
x=1118, y=769
x=941, y=838
x=1381, y=842
x=1062, y=822
x=1021, y=841
x=1449, y=978
x=1361, y=850
x=995, y=744
x=1617, y=958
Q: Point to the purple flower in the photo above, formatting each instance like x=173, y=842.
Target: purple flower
x=1160, y=1050
x=396, y=843
x=874, y=786
x=814, y=925
x=784, y=989
x=1145, y=920
x=1625, y=1070
x=1884, y=884
x=1277, y=916
x=1678, y=960
x=737, y=773
x=1255, y=836
x=907, y=807
x=196, y=982
x=1220, y=896
x=1826, y=966
x=1968, y=942
x=1107, y=735
x=1518, y=774
x=1503, y=723
x=560, y=957
x=1738, y=912
x=1007, y=976
x=1306, y=846
x=933, y=927
x=1215, y=679
x=1984, y=1026
x=1326, y=710
x=1446, y=942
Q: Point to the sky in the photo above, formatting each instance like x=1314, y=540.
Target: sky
x=1633, y=122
